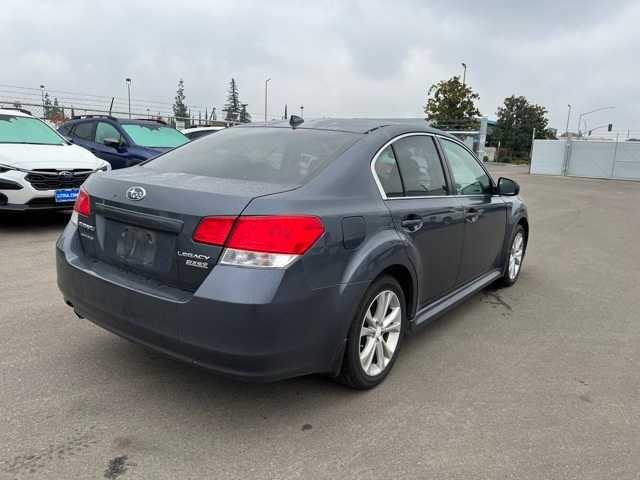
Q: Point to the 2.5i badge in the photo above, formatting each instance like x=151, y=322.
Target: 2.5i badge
x=197, y=260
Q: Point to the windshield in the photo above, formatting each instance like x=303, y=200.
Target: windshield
x=18, y=129
x=154, y=136
x=281, y=156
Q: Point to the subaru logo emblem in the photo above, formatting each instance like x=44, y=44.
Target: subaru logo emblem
x=136, y=193
x=65, y=174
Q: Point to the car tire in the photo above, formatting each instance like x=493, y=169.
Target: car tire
x=515, y=257
x=375, y=339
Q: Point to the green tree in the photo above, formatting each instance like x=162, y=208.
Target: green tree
x=516, y=120
x=452, y=104
x=180, y=110
x=232, y=106
x=47, y=105
x=244, y=117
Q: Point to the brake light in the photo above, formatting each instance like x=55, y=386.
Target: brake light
x=83, y=203
x=293, y=235
x=260, y=241
x=213, y=230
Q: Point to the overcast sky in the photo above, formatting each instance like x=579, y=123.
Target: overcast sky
x=359, y=58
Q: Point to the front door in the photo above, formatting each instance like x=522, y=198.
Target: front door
x=485, y=214
x=412, y=174
x=117, y=157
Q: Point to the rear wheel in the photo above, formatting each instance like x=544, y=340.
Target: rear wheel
x=375, y=335
x=514, y=257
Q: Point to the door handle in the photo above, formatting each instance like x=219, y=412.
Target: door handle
x=412, y=223
x=471, y=215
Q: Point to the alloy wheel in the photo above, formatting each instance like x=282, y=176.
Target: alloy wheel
x=380, y=332
x=515, y=256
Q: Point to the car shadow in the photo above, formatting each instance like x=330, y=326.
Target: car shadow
x=26, y=222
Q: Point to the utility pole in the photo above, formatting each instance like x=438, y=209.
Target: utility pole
x=266, y=86
x=128, y=81
x=464, y=74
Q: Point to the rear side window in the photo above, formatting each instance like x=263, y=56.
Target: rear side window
x=281, y=156
x=388, y=174
x=84, y=130
x=420, y=166
x=64, y=129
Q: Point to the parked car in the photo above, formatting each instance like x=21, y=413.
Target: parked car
x=267, y=252
x=121, y=142
x=197, y=132
x=39, y=169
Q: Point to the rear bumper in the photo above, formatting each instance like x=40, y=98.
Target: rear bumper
x=250, y=324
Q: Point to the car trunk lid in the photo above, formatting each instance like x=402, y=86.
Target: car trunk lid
x=152, y=236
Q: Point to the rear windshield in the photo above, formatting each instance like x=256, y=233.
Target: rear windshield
x=272, y=155
x=154, y=136
x=16, y=129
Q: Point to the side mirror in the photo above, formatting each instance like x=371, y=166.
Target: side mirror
x=112, y=142
x=506, y=186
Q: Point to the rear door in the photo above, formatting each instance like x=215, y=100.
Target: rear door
x=117, y=157
x=485, y=213
x=417, y=190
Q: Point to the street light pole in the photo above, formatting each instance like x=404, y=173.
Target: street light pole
x=464, y=74
x=301, y=111
x=42, y=92
x=568, y=117
x=128, y=80
x=266, y=85
x=588, y=113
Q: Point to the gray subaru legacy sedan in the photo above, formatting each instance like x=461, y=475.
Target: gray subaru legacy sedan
x=270, y=251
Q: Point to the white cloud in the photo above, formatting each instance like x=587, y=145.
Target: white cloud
x=364, y=58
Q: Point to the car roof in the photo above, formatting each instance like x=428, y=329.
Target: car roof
x=352, y=125
x=15, y=111
x=107, y=118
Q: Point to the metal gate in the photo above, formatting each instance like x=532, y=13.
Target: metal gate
x=587, y=158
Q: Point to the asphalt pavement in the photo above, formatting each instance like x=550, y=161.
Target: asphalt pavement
x=537, y=381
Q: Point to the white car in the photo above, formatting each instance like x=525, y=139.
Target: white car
x=197, y=132
x=40, y=169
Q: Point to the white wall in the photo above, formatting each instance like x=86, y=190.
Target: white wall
x=547, y=157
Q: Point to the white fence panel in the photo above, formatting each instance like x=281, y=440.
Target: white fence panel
x=547, y=157
x=627, y=161
x=591, y=159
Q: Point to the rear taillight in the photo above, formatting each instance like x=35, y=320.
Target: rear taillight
x=213, y=230
x=260, y=241
x=83, y=203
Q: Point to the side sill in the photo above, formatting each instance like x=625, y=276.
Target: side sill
x=432, y=311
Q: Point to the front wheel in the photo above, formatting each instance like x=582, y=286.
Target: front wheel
x=515, y=257
x=375, y=335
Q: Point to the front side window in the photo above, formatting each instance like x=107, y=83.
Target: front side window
x=281, y=156
x=27, y=130
x=388, y=174
x=154, y=136
x=469, y=176
x=105, y=130
x=420, y=166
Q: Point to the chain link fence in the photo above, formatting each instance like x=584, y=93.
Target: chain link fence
x=57, y=114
